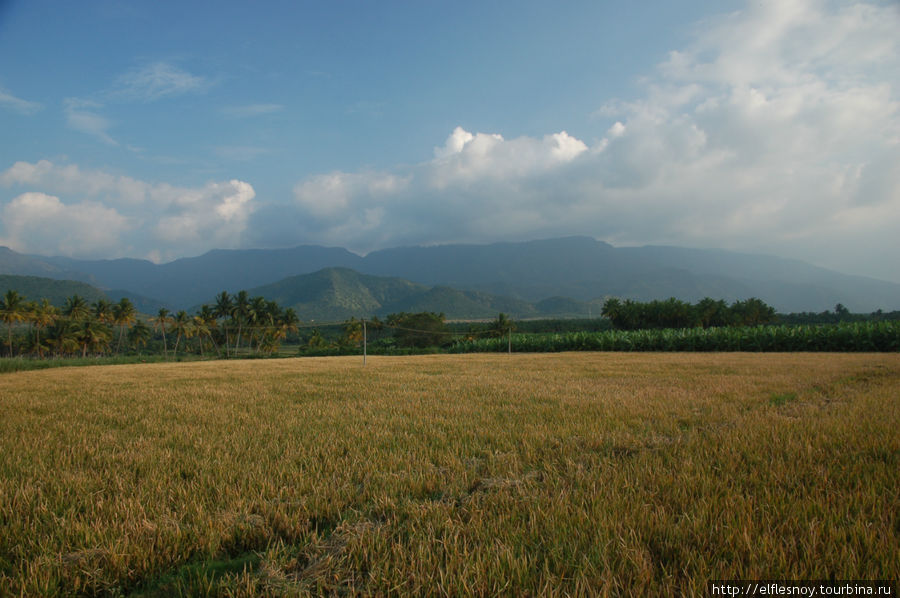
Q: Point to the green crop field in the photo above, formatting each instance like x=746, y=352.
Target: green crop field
x=480, y=474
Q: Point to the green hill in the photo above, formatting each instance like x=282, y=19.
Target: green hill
x=340, y=293
x=35, y=288
x=462, y=304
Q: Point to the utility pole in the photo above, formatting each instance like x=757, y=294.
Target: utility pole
x=364, y=343
x=509, y=341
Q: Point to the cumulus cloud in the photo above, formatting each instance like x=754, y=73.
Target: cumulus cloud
x=776, y=130
x=478, y=186
x=37, y=222
x=85, y=213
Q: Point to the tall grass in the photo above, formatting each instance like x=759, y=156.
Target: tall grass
x=565, y=474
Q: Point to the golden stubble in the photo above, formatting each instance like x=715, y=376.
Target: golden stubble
x=572, y=473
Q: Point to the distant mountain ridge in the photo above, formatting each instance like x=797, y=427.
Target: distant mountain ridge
x=189, y=281
x=330, y=294
x=578, y=268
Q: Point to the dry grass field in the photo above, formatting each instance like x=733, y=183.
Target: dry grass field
x=541, y=474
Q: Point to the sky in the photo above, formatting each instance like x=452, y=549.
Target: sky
x=165, y=129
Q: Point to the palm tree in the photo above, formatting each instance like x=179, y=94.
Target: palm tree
x=353, y=332
x=162, y=318
x=289, y=321
x=94, y=334
x=181, y=324
x=43, y=315
x=316, y=340
x=257, y=318
x=138, y=335
x=102, y=309
x=123, y=315
x=200, y=329
x=712, y=313
x=64, y=337
x=223, y=309
x=501, y=326
x=76, y=308
x=612, y=310
x=239, y=313
x=13, y=309
x=285, y=322
x=207, y=317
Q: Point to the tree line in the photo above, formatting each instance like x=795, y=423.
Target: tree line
x=234, y=324
x=400, y=333
x=674, y=313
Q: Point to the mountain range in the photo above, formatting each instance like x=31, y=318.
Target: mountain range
x=525, y=278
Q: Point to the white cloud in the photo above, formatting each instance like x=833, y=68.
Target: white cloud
x=71, y=180
x=330, y=196
x=156, y=81
x=7, y=100
x=145, y=84
x=776, y=130
x=455, y=143
x=81, y=115
x=41, y=223
x=212, y=216
x=161, y=220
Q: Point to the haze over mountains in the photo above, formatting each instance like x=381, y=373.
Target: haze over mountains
x=525, y=278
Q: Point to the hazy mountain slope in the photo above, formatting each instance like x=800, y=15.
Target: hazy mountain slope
x=580, y=268
x=28, y=265
x=35, y=288
x=791, y=285
x=528, y=269
x=583, y=268
x=188, y=281
x=337, y=293
x=144, y=305
x=460, y=304
x=341, y=293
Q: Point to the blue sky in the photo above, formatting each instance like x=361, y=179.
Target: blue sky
x=164, y=129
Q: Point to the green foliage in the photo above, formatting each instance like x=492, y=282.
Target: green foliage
x=850, y=337
x=423, y=329
x=501, y=326
x=673, y=313
x=353, y=333
x=839, y=315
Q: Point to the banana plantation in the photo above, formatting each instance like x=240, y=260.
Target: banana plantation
x=845, y=337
